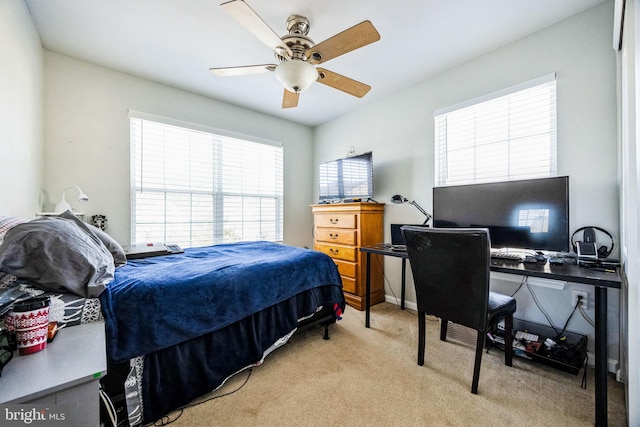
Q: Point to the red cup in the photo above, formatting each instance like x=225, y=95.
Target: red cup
x=30, y=320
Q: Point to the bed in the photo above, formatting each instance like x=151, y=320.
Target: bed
x=178, y=326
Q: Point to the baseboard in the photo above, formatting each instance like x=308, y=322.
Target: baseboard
x=407, y=304
x=612, y=365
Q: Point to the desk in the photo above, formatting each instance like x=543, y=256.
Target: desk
x=601, y=281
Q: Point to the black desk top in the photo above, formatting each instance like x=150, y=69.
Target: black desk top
x=567, y=272
x=384, y=250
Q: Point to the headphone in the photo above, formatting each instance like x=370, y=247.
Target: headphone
x=588, y=234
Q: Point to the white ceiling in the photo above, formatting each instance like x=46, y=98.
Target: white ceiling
x=175, y=42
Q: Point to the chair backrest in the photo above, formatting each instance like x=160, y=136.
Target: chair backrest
x=450, y=268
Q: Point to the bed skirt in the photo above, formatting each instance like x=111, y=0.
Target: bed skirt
x=169, y=379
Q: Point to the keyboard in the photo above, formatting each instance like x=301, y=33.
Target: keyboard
x=507, y=256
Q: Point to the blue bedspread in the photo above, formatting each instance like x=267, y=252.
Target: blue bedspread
x=154, y=303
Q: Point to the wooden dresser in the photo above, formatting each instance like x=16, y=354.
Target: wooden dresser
x=340, y=229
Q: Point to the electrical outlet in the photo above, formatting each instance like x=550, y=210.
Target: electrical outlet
x=585, y=299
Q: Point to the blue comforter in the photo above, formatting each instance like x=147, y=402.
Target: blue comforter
x=154, y=303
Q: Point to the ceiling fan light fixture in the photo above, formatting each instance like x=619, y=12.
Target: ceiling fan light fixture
x=296, y=75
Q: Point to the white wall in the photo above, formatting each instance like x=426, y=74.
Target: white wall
x=630, y=205
x=400, y=132
x=21, y=148
x=87, y=140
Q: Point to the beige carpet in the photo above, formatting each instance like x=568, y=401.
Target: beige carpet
x=370, y=377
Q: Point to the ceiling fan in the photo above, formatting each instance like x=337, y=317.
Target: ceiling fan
x=297, y=54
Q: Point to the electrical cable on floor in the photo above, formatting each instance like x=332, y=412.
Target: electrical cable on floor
x=166, y=420
x=584, y=373
x=110, y=409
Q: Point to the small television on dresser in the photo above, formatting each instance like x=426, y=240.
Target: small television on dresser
x=524, y=214
x=346, y=179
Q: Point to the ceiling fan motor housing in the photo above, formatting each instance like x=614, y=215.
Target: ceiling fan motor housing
x=297, y=39
x=295, y=73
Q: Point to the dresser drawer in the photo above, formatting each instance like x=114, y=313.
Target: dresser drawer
x=337, y=252
x=336, y=235
x=336, y=220
x=346, y=268
x=349, y=285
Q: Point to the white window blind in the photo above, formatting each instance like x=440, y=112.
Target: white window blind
x=196, y=188
x=504, y=136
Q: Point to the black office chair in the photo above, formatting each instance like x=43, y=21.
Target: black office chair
x=450, y=270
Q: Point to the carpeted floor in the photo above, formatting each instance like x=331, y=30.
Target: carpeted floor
x=370, y=377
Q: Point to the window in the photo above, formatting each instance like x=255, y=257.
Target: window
x=196, y=188
x=503, y=136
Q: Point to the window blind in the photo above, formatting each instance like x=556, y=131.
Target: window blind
x=196, y=188
x=504, y=136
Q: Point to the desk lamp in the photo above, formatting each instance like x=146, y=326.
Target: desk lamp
x=398, y=200
x=63, y=206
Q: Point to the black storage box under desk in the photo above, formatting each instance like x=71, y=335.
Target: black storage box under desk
x=569, y=355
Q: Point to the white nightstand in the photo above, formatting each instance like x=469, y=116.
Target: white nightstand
x=67, y=372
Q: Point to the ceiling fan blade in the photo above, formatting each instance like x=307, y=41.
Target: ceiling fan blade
x=250, y=20
x=240, y=71
x=345, y=84
x=290, y=99
x=351, y=39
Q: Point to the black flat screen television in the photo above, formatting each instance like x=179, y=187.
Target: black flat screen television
x=350, y=178
x=524, y=214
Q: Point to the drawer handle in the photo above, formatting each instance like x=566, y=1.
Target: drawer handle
x=333, y=236
x=333, y=251
x=333, y=221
